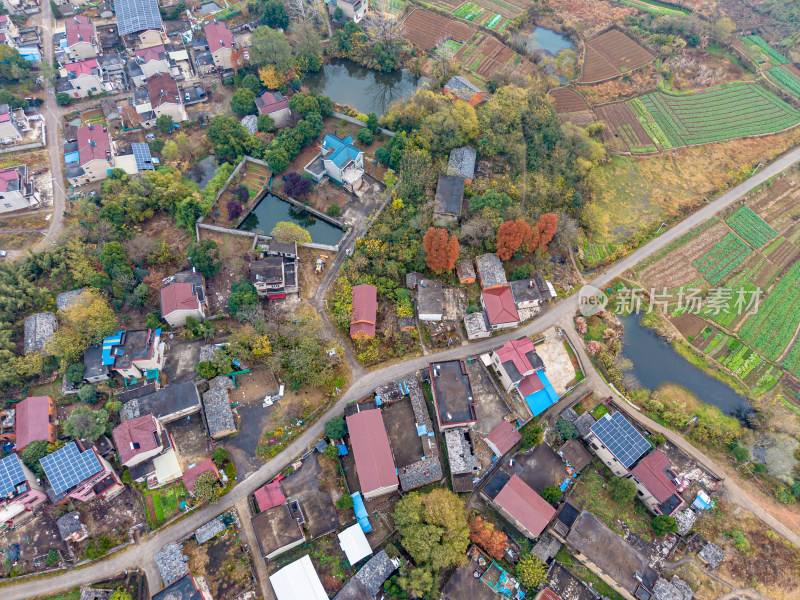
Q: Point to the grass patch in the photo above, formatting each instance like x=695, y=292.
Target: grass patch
x=600, y=411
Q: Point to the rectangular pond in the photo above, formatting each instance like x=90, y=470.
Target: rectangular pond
x=271, y=209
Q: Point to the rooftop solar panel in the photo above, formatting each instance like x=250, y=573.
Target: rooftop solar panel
x=11, y=475
x=67, y=467
x=621, y=438
x=141, y=152
x=137, y=15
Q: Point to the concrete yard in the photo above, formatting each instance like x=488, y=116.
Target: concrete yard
x=490, y=407
x=463, y=585
x=401, y=427
x=190, y=439
x=315, y=502
x=557, y=363
x=181, y=359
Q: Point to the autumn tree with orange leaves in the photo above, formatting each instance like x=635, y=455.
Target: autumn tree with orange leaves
x=487, y=537
x=441, y=250
x=547, y=225
x=510, y=236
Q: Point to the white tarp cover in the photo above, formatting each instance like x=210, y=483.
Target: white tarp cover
x=298, y=581
x=354, y=544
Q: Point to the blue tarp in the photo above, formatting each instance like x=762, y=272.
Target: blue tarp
x=544, y=398
x=361, y=512
x=72, y=157
x=342, y=450
x=29, y=54
x=422, y=430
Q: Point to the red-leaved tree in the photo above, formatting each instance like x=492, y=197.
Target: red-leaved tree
x=441, y=250
x=548, y=223
x=487, y=537
x=510, y=236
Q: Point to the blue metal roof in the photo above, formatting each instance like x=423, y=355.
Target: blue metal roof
x=343, y=149
x=108, y=347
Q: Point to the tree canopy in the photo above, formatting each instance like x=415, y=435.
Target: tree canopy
x=205, y=257
x=286, y=231
x=270, y=47
x=441, y=250
x=86, y=424
x=206, y=488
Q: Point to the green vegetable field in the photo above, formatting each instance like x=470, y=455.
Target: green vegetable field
x=752, y=228
x=719, y=114
x=723, y=258
x=786, y=79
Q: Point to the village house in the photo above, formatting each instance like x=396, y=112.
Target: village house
x=274, y=275
x=476, y=325
x=448, y=200
x=138, y=440
x=183, y=297
x=162, y=98
x=277, y=531
x=655, y=484
x=465, y=270
x=519, y=368
x=170, y=403
x=134, y=354
x=617, y=443
x=490, y=271
x=191, y=475
x=8, y=32
x=35, y=419
x=217, y=408
x=365, y=310
x=340, y=160
x=452, y=394
x=523, y=507
x=276, y=106
x=183, y=588
x=369, y=579
x=95, y=370
x=498, y=302
x=148, y=62
x=459, y=87
x=298, y=581
x=90, y=157
x=354, y=10
x=375, y=466
x=503, y=438
x=221, y=45
x=462, y=163
x=17, y=191
x=73, y=472
x=80, y=39
x=430, y=300
x=19, y=490
x=39, y=329
x=12, y=123
x=139, y=23
x=82, y=79
x=70, y=527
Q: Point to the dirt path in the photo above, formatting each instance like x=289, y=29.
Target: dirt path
x=250, y=538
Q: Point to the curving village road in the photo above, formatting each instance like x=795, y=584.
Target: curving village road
x=141, y=555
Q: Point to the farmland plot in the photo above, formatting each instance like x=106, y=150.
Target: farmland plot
x=787, y=77
x=486, y=57
x=427, y=30
x=719, y=114
x=610, y=55
x=624, y=129
x=566, y=100
x=750, y=227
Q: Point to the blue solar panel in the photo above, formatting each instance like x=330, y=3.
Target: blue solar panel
x=67, y=467
x=141, y=152
x=621, y=438
x=11, y=475
x=137, y=15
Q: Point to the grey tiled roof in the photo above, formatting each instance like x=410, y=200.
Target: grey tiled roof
x=171, y=564
x=66, y=300
x=209, y=530
x=218, y=411
x=712, y=555
x=376, y=572
x=68, y=524
x=584, y=422
x=462, y=162
x=491, y=271
x=39, y=328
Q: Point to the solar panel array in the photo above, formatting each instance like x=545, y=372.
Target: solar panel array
x=10, y=474
x=621, y=438
x=141, y=152
x=137, y=15
x=67, y=467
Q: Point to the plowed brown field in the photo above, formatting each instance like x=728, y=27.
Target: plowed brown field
x=611, y=54
x=623, y=128
x=566, y=100
x=427, y=30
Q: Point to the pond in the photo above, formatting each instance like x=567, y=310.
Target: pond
x=271, y=209
x=203, y=171
x=543, y=40
x=366, y=90
x=655, y=362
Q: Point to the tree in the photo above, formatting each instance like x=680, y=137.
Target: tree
x=228, y=137
x=489, y=538
x=278, y=160
x=338, y=13
x=372, y=122
x=152, y=320
x=531, y=571
x=170, y=151
x=532, y=435
x=274, y=15
x=664, y=524
x=206, y=369
x=334, y=210
x=286, y=231
x=345, y=502
x=433, y=528
x=441, y=250
x=265, y=123
x=296, y=185
x=52, y=558
x=86, y=424
x=552, y=494
x=115, y=260
x=566, y=429
x=86, y=323
x=621, y=491
x=140, y=293
x=722, y=29
x=206, y=488
x=63, y=99
x=270, y=47
x=87, y=394
x=383, y=155
x=332, y=452
x=234, y=209
x=164, y=123
x=243, y=299
x=219, y=456
x=31, y=455
x=13, y=67
x=336, y=428
x=740, y=453
x=75, y=372
x=243, y=102
x=252, y=83
x=547, y=226
x=270, y=77
x=365, y=136
x=510, y=236
x=205, y=257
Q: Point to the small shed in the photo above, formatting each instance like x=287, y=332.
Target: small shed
x=465, y=270
x=354, y=543
x=462, y=163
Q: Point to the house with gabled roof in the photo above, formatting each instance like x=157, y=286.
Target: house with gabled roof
x=39, y=329
x=148, y=62
x=340, y=160
x=490, y=271
x=298, y=581
x=164, y=97
x=82, y=79
x=523, y=507
x=375, y=466
x=73, y=472
x=461, y=88
x=514, y=361
x=10, y=126
x=365, y=311
x=89, y=158
x=655, y=484
x=35, y=419
x=19, y=490
x=276, y=106
x=503, y=438
x=221, y=45
x=80, y=41
x=190, y=476
x=355, y=10
x=138, y=440
x=462, y=163
x=183, y=297
x=448, y=201
x=501, y=311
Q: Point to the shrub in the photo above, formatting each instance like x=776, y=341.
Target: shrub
x=741, y=543
x=206, y=369
x=383, y=155
x=345, y=502
x=265, y=123
x=740, y=453
x=234, y=209
x=87, y=393
x=336, y=428
x=333, y=210
x=532, y=435
x=220, y=455
x=75, y=372
x=52, y=558
x=552, y=494
x=365, y=136
x=621, y=491
x=663, y=524
x=152, y=321
x=331, y=452
x=295, y=185
x=566, y=429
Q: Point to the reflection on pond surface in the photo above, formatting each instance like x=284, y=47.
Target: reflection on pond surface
x=545, y=40
x=271, y=209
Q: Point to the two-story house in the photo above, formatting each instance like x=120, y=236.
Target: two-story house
x=82, y=79
x=275, y=274
x=221, y=45
x=17, y=190
x=73, y=472
x=340, y=160
x=139, y=23
x=148, y=62
x=10, y=126
x=89, y=158
x=354, y=10
x=184, y=296
x=276, y=106
x=80, y=42
x=515, y=362
x=160, y=97
x=19, y=490
x=134, y=354
x=138, y=440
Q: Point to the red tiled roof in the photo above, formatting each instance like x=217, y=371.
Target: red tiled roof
x=371, y=450
x=365, y=308
x=515, y=351
x=136, y=436
x=269, y=496
x=271, y=102
x=162, y=88
x=190, y=476
x=650, y=472
x=93, y=143
x=218, y=36
x=530, y=384
x=83, y=67
x=500, y=307
x=178, y=296
x=151, y=53
x=504, y=436
x=79, y=29
x=9, y=175
x=33, y=421
x=548, y=594
x=520, y=501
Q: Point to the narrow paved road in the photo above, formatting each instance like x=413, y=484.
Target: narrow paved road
x=364, y=385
